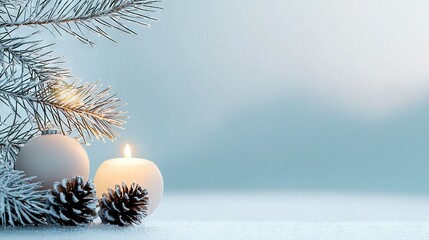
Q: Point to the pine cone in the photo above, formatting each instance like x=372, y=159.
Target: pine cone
x=124, y=206
x=72, y=203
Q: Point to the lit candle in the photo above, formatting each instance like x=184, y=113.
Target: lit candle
x=129, y=170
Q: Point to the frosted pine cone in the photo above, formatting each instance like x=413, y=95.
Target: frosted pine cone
x=124, y=207
x=72, y=203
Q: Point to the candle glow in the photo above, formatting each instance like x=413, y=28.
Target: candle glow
x=127, y=151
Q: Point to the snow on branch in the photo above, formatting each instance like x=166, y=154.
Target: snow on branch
x=72, y=16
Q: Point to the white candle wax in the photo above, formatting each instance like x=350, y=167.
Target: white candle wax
x=129, y=170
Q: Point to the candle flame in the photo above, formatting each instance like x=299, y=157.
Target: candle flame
x=127, y=151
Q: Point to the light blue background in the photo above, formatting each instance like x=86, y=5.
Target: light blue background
x=320, y=95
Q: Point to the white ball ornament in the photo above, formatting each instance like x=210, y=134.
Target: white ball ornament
x=52, y=157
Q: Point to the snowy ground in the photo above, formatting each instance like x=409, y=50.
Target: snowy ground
x=263, y=215
x=234, y=231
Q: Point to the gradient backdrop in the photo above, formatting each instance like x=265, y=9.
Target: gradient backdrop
x=276, y=94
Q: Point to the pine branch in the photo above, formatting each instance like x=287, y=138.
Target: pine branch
x=12, y=3
x=88, y=109
x=16, y=87
x=34, y=86
x=32, y=56
x=31, y=82
x=72, y=16
x=13, y=135
x=21, y=200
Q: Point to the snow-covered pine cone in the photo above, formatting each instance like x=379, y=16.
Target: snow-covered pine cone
x=124, y=207
x=72, y=203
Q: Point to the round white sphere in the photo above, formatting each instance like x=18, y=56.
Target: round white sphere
x=53, y=157
x=128, y=170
